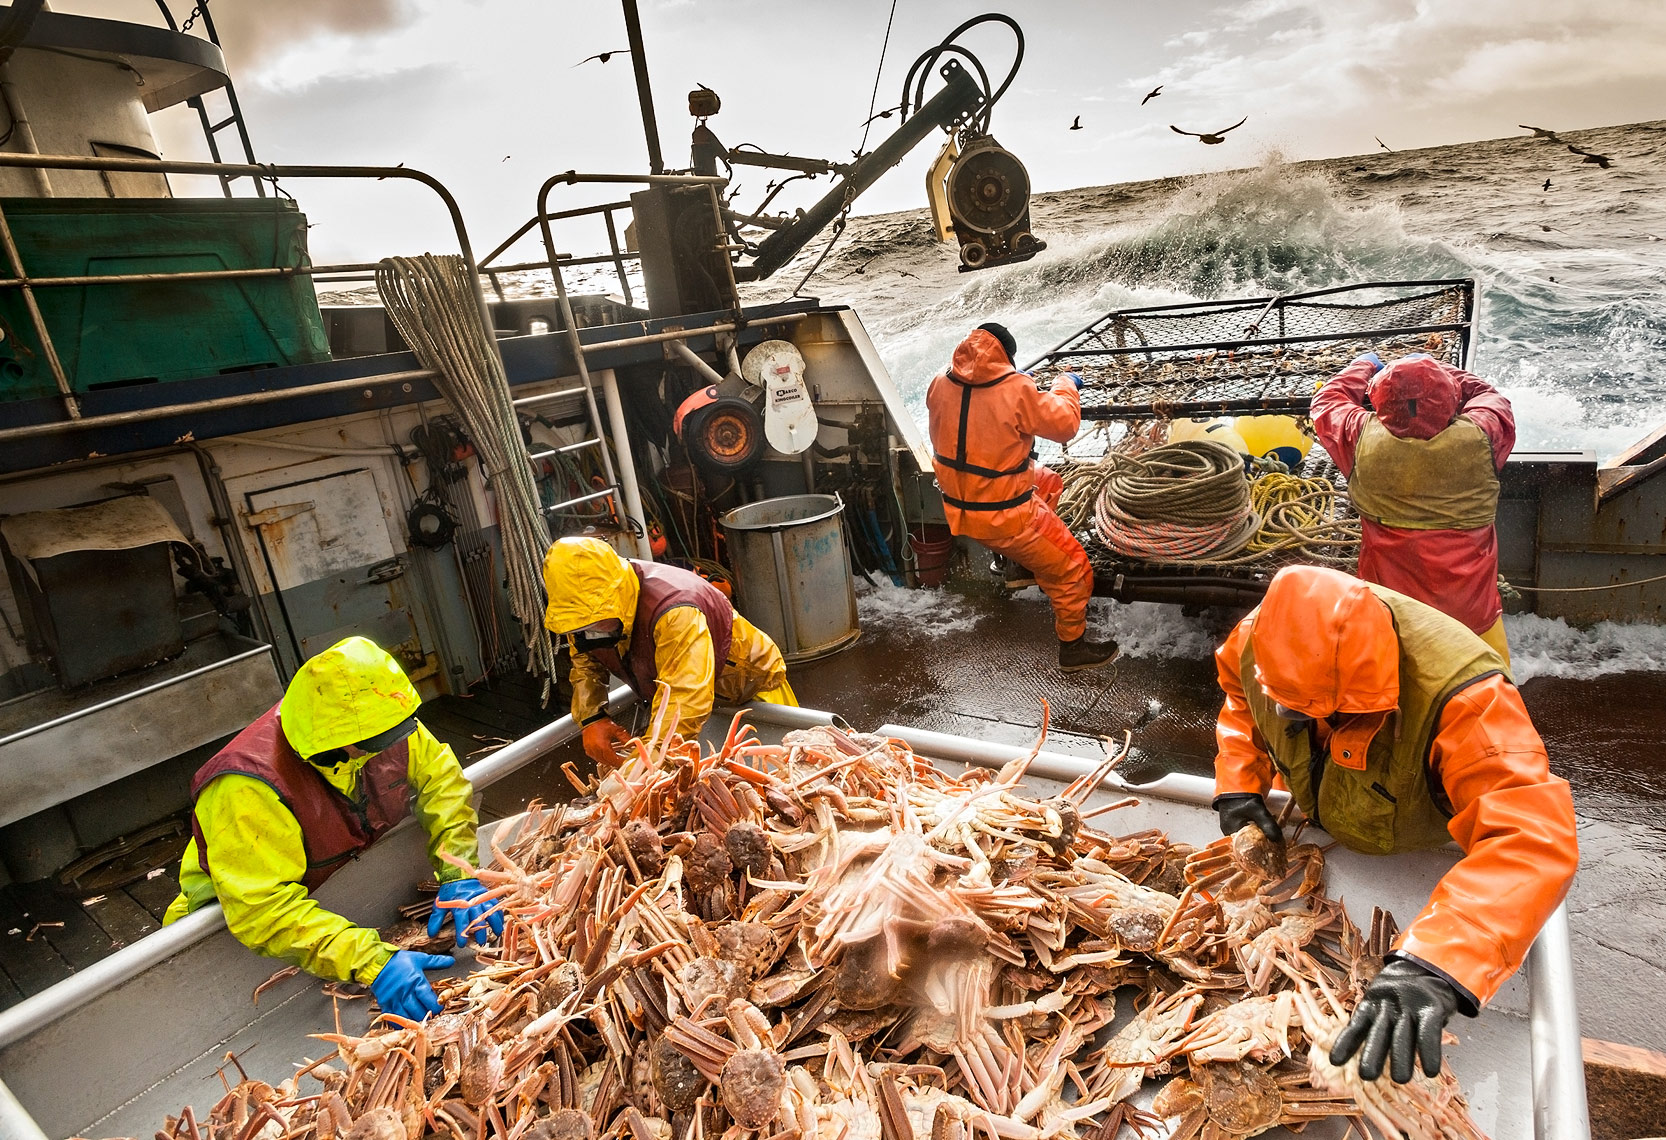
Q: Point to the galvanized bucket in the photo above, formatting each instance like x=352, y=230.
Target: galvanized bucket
x=792, y=577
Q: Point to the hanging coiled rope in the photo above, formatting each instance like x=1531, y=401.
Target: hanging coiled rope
x=1187, y=500
x=433, y=303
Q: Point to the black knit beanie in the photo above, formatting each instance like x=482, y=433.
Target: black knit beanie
x=1008, y=341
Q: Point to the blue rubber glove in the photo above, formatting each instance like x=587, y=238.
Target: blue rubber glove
x=466, y=916
x=402, y=990
x=1376, y=360
x=1073, y=378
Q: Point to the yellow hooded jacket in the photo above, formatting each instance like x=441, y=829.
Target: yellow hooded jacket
x=259, y=857
x=588, y=583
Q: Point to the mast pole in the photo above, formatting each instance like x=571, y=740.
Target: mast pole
x=644, y=93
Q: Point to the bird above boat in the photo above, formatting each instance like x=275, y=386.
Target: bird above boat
x=604, y=56
x=1210, y=138
x=1152, y=94
x=1540, y=132
x=1601, y=160
x=1076, y=123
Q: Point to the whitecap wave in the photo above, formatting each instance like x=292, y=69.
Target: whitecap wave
x=1546, y=647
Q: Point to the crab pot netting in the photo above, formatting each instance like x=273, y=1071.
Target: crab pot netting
x=1149, y=363
x=1193, y=361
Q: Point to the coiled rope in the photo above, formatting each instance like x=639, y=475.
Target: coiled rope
x=1187, y=500
x=1301, y=517
x=433, y=303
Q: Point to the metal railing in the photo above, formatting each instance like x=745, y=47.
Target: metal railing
x=21, y=280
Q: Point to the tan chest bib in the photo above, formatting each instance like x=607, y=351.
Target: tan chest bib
x=1444, y=483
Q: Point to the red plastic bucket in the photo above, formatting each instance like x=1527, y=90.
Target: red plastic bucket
x=933, y=547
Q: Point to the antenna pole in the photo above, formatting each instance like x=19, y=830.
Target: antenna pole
x=644, y=94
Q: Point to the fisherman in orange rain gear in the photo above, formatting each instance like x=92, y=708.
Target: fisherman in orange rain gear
x=1395, y=728
x=1421, y=443
x=984, y=416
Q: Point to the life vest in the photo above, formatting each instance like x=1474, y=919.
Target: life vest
x=1448, y=482
x=998, y=464
x=1389, y=799
x=663, y=588
x=334, y=827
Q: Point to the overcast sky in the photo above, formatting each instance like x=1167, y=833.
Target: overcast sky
x=484, y=94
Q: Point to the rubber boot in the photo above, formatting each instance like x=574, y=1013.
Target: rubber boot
x=1074, y=656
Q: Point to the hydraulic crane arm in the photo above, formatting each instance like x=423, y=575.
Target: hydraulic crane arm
x=956, y=103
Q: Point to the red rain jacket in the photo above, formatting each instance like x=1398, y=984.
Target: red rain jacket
x=983, y=416
x=1456, y=571
x=1327, y=646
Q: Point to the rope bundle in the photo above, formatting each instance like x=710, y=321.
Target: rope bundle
x=1302, y=516
x=1183, y=501
x=432, y=301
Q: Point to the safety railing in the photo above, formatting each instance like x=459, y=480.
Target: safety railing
x=617, y=255
x=27, y=285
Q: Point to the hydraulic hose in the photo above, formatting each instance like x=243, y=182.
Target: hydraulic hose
x=914, y=83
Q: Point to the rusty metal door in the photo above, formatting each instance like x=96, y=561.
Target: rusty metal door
x=335, y=568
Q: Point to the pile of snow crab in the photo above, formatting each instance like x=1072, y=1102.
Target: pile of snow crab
x=834, y=939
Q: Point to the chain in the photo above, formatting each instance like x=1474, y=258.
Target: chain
x=190, y=21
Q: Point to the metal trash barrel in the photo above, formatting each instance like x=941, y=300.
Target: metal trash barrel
x=792, y=577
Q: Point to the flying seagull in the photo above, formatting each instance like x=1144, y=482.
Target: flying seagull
x=604, y=56
x=1152, y=94
x=1384, y=145
x=1210, y=139
x=1540, y=132
x=1076, y=124
x=1601, y=160
x=1547, y=184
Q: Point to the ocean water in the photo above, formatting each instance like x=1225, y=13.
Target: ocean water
x=1572, y=315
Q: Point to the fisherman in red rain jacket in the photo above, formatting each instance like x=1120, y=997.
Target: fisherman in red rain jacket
x=1422, y=443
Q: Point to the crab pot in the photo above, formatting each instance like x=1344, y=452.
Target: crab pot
x=792, y=575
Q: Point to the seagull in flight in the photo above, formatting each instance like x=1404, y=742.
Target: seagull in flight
x=1601, y=160
x=1152, y=94
x=1384, y=145
x=1540, y=132
x=1210, y=138
x=1076, y=124
x=604, y=56
x=1547, y=185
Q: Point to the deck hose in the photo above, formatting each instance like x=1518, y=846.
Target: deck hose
x=432, y=302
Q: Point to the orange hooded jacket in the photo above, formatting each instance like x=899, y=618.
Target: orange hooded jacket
x=984, y=416
x=1325, y=645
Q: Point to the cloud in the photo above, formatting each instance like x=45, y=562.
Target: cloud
x=1330, y=57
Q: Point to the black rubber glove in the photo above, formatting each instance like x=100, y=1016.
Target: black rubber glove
x=1240, y=809
x=1403, y=1012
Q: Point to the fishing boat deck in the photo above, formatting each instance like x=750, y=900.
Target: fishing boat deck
x=981, y=669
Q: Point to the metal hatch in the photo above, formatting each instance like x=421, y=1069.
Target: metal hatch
x=333, y=564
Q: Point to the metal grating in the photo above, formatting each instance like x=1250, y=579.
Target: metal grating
x=1264, y=354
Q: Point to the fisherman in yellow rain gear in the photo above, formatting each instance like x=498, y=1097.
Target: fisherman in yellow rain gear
x=647, y=623
x=318, y=778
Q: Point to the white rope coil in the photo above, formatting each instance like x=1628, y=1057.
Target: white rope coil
x=432, y=302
